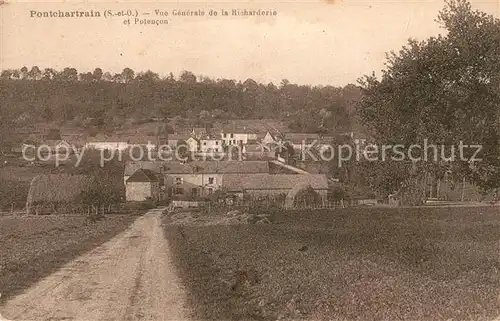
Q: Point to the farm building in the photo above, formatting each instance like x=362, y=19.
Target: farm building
x=196, y=178
x=142, y=185
x=51, y=193
x=257, y=185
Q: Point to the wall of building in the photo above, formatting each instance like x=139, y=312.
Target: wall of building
x=107, y=145
x=188, y=182
x=193, y=145
x=237, y=138
x=140, y=191
x=211, y=145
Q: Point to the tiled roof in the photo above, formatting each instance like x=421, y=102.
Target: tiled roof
x=143, y=175
x=131, y=167
x=199, y=167
x=240, y=182
x=177, y=136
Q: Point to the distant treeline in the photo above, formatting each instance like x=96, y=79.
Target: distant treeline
x=33, y=95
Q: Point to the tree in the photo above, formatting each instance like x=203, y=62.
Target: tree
x=86, y=77
x=69, y=74
x=187, y=77
x=148, y=76
x=6, y=74
x=127, y=75
x=445, y=89
x=49, y=74
x=107, y=76
x=16, y=74
x=35, y=73
x=24, y=72
x=97, y=74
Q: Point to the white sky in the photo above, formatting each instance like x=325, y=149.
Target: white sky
x=311, y=42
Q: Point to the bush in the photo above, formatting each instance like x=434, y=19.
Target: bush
x=139, y=206
x=337, y=193
x=306, y=197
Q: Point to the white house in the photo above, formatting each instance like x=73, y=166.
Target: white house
x=211, y=145
x=107, y=145
x=193, y=144
x=237, y=138
x=268, y=139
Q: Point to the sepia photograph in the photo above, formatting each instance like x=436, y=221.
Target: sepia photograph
x=318, y=160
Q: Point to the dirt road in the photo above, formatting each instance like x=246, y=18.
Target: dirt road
x=128, y=278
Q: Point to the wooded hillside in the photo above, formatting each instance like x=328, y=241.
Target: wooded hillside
x=105, y=100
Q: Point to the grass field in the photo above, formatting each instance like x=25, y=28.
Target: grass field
x=32, y=247
x=350, y=264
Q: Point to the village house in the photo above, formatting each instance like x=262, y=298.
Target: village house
x=265, y=184
x=237, y=135
x=197, y=178
x=196, y=132
x=202, y=178
x=269, y=139
x=106, y=143
x=173, y=140
x=142, y=185
x=258, y=151
x=199, y=132
x=193, y=144
x=210, y=144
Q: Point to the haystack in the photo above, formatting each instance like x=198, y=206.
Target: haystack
x=54, y=190
x=302, y=195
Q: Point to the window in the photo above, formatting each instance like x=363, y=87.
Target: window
x=178, y=191
x=232, y=135
x=178, y=180
x=194, y=191
x=216, y=150
x=211, y=180
x=216, y=142
x=234, y=141
x=210, y=191
x=204, y=143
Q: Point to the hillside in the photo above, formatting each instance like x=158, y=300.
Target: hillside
x=104, y=103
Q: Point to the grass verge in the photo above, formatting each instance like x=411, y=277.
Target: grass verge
x=350, y=264
x=32, y=247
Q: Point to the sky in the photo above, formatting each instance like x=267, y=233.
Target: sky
x=310, y=42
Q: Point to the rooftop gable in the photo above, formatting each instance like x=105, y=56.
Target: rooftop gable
x=143, y=175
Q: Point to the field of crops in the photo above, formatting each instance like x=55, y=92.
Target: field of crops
x=32, y=247
x=349, y=264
